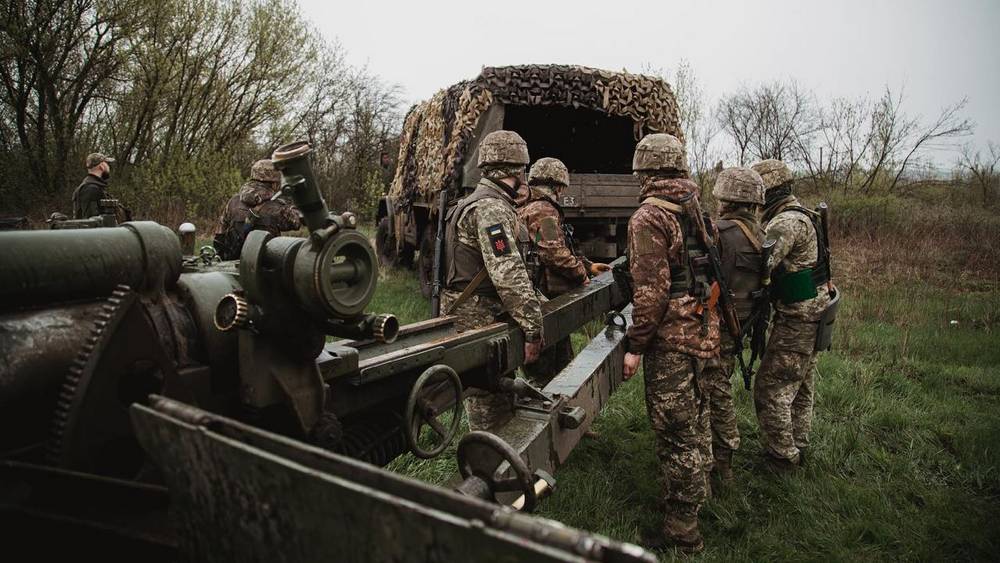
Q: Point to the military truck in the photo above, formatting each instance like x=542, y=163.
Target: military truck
x=590, y=119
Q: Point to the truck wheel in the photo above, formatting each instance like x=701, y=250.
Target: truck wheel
x=385, y=244
x=425, y=262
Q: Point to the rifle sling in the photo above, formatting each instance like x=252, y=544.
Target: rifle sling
x=749, y=234
x=669, y=206
x=468, y=291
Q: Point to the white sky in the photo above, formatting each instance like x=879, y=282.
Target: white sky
x=939, y=51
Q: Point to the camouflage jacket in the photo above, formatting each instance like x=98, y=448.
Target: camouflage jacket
x=253, y=205
x=655, y=242
x=491, y=226
x=562, y=270
x=796, y=249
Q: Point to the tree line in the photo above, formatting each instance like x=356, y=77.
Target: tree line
x=185, y=94
x=859, y=145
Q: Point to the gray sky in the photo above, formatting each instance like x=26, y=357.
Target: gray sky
x=938, y=51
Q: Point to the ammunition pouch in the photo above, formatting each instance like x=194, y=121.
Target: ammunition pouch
x=794, y=287
x=824, y=332
x=623, y=277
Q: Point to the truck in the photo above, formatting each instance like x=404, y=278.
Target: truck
x=589, y=118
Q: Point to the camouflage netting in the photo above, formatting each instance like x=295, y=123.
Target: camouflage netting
x=437, y=132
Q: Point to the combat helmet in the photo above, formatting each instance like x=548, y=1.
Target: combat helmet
x=659, y=152
x=740, y=185
x=263, y=170
x=548, y=171
x=774, y=173
x=503, y=149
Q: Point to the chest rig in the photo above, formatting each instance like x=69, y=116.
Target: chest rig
x=793, y=287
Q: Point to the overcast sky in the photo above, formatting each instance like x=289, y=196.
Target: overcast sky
x=939, y=52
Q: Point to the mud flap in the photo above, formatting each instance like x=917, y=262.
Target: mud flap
x=824, y=333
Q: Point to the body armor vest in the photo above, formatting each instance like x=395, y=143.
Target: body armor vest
x=741, y=264
x=821, y=271
x=463, y=262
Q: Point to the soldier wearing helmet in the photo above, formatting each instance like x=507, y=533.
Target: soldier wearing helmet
x=800, y=291
x=675, y=332
x=485, y=274
x=562, y=268
x=740, y=193
x=257, y=206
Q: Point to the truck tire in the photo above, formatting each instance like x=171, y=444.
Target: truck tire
x=385, y=244
x=425, y=262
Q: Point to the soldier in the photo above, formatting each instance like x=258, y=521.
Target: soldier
x=783, y=390
x=88, y=195
x=485, y=274
x=675, y=331
x=255, y=207
x=740, y=192
x=562, y=268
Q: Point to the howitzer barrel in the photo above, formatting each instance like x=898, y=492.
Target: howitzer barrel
x=292, y=160
x=42, y=267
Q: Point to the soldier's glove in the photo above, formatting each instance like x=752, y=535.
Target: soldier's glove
x=597, y=268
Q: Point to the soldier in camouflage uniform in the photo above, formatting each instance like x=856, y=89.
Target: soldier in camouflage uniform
x=562, y=268
x=674, y=333
x=783, y=390
x=254, y=208
x=485, y=274
x=740, y=192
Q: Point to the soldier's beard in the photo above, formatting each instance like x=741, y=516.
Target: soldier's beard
x=105, y=175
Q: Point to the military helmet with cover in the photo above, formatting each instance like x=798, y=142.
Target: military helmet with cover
x=660, y=152
x=774, y=173
x=739, y=184
x=263, y=170
x=548, y=171
x=503, y=149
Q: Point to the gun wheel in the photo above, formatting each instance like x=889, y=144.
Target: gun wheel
x=482, y=454
x=436, y=393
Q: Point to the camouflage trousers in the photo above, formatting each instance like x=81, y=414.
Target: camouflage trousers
x=783, y=390
x=486, y=410
x=718, y=382
x=678, y=411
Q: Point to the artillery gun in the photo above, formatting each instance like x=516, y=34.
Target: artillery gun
x=167, y=407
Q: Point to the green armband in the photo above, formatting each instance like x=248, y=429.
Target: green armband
x=795, y=287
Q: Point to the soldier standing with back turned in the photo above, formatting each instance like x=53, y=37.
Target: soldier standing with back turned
x=485, y=273
x=675, y=331
x=562, y=268
x=740, y=192
x=783, y=390
x=254, y=207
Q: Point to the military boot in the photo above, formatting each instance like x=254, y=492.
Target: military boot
x=680, y=531
x=780, y=465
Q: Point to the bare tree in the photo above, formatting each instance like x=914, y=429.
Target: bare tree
x=773, y=120
x=948, y=125
x=982, y=169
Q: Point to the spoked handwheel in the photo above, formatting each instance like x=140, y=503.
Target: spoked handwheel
x=437, y=391
x=480, y=455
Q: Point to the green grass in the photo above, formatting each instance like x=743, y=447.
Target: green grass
x=905, y=459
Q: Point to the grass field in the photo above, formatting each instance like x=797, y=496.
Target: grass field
x=905, y=448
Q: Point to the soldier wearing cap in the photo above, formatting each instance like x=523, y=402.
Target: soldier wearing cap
x=257, y=206
x=562, y=268
x=800, y=291
x=740, y=192
x=485, y=275
x=675, y=332
x=88, y=195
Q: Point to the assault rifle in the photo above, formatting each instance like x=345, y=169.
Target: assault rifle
x=438, y=254
x=726, y=305
x=760, y=317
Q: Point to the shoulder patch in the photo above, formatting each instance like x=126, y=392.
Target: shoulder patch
x=498, y=240
x=644, y=242
x=549, y=229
